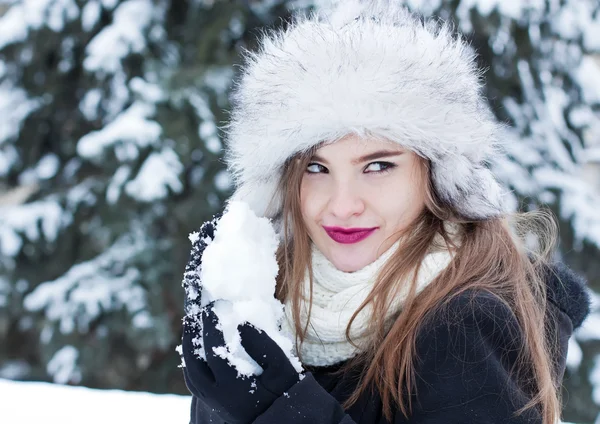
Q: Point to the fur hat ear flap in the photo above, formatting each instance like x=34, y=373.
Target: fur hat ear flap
x=468, y=188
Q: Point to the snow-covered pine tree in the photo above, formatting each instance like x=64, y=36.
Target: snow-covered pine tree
x=91, y=253
x=109, y=157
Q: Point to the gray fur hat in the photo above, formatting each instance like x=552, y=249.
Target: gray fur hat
x=367, y=67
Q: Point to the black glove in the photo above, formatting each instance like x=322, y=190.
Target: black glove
x=191, y=277
x=216, y=383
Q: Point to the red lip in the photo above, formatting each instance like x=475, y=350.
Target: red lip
x=349, y=235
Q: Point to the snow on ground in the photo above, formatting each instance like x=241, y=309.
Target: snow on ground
x=33, y=403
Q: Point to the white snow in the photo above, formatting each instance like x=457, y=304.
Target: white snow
x=595, y=380
x=514, y=9
x=590, y=330
x=13, y=26
x=207, y=129
x=58, y=10
x=223, y=180
x=33, y=14
x=90, y=103
x=238, y=272
x=240, y=262
x=159, y=173
x=148, y=91
x=577, y=19
x=58, y=404
x=588, y=76
x=591, y=30
x=125, y=35
x=130, y=127
x=427, y=7
x=113, y=191
x=91, y=287
x=81, y=194
x=90, y=14
x=579, y=202
x=548, y=154
x=541, y=141
x=17, y=219
x=142, y=319
x=62, y=366
x=194, y=236
x=8, y=157
x=114, y=103
x=574, y=354
x=15, y=106
x=219, y=79
x=14, y=369
x=592, y=155
x=109, y=4
x=566, y=23
x=4, y=291
x=581, y=115
x=47, y=167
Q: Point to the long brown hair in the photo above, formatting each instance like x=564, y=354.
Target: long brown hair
x=492, y=256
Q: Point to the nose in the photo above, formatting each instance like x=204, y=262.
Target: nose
x=346, y=201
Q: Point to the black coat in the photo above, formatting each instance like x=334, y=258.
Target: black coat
x=462, y=373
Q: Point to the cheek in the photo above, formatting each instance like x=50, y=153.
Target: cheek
x=309, y=201
x=400, y=203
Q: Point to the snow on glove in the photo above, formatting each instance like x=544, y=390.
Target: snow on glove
x=191, y=277
x=234, y=397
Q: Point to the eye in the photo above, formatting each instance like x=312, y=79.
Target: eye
x=380, y=167
x=315, y=168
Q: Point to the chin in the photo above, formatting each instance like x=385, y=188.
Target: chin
x=347, y=268
x=349, y=257
x=351, y=263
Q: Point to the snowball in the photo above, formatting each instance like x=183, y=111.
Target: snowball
x=238, y=272
x=240, y=263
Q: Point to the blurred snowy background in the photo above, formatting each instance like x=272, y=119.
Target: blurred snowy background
x=110, y=156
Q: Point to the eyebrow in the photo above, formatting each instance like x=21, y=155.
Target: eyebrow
x=371, y=156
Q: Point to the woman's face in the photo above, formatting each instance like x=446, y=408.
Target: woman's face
x=356, y=195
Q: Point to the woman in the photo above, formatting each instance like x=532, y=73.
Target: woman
x=409, y=290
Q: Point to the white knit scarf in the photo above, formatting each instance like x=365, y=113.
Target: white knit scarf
x=337, y=295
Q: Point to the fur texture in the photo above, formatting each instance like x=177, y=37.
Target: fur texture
x=371, y=68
